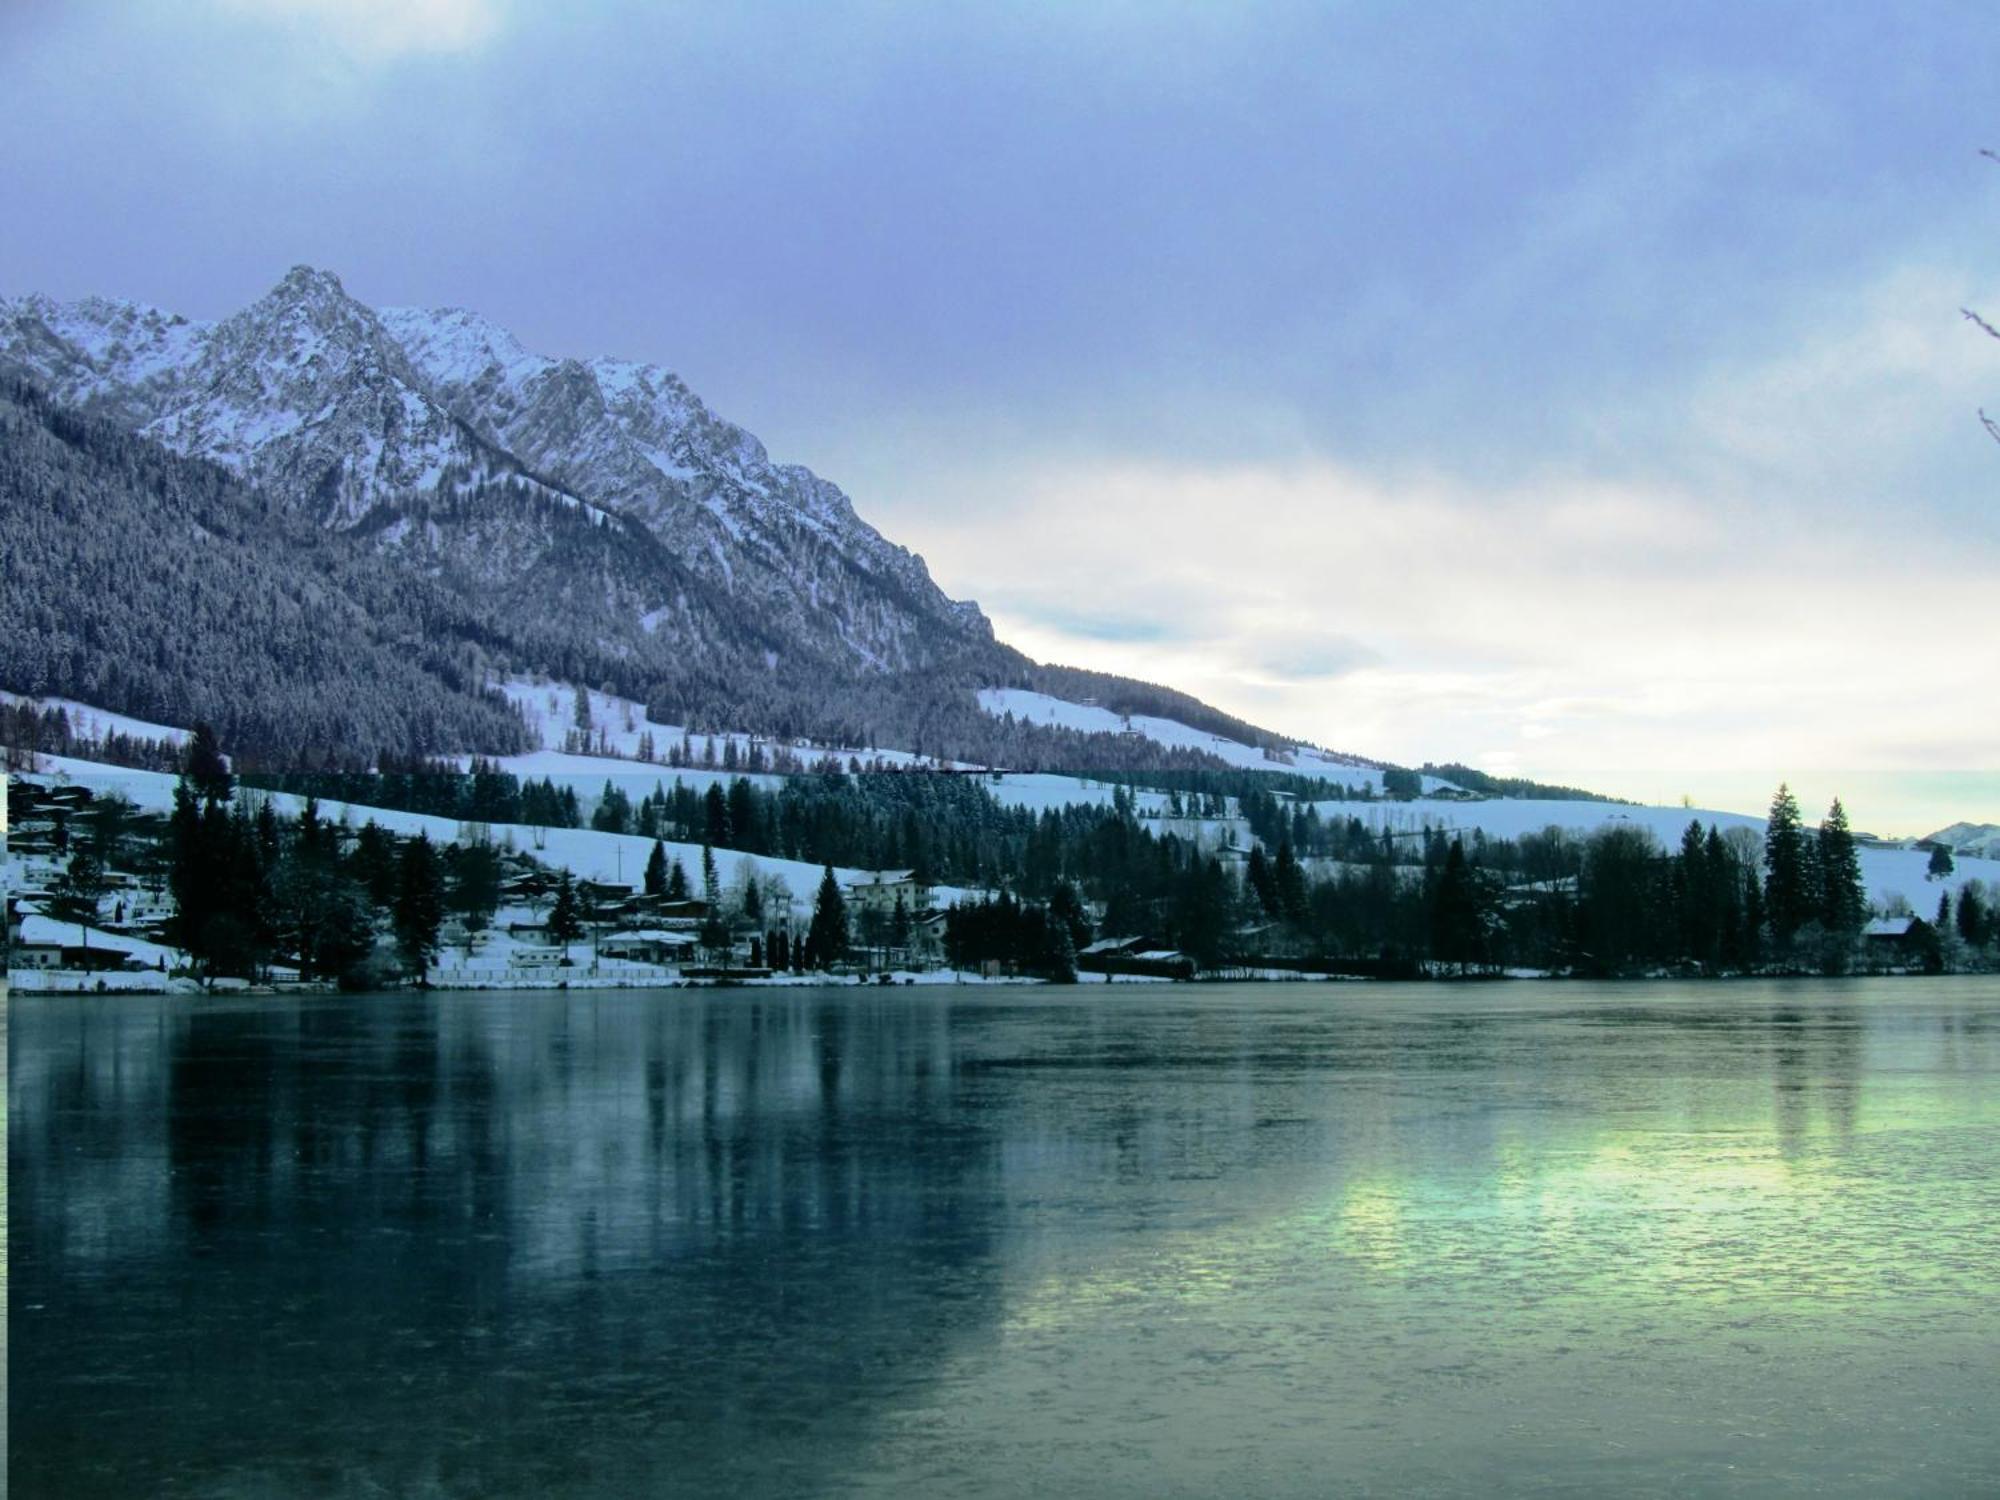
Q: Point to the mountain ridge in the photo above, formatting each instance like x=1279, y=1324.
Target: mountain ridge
x=598, y=519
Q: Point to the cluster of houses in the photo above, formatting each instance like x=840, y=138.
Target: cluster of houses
x=131, y=928
x=893, y=924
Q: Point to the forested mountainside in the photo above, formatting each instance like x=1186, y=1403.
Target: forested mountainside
x=162, y=587
x=415, y=485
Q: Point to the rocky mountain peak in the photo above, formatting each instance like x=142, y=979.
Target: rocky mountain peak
x=354, y=415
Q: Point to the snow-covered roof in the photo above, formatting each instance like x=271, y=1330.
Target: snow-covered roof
x=1889, y=927
x=38, y=930
x=646, y=935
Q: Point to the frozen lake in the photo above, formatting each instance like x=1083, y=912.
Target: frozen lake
x=1294, y=1240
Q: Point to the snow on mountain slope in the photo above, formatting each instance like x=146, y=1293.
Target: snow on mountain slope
x=303, y=392
x=1304, y=760
x=618, y=731
x=634, y=438
x=95, y=724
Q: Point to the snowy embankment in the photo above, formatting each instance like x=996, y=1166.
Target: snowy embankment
x=584, y=852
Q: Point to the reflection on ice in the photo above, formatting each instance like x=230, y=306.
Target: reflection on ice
x=1470, y=1240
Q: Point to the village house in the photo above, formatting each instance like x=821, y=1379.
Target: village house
x=879, y=892
x=653, y=945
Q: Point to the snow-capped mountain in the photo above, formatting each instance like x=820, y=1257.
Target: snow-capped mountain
x=437, y=434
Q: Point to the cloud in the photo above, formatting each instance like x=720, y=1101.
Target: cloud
x=1088, y=625
x=377, y=31
x=1311, y=657
x=1556, y=627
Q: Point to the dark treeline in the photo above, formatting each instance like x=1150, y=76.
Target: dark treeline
x=248, y=886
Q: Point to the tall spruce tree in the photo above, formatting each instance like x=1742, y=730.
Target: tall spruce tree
x=1843, y=899
x=566, y=916
x=827, y=936
x=1786, y=907
x=1455, y=912
x=206, y=767
x=419, y=909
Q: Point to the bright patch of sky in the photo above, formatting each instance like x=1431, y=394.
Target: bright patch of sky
x=1557, y=388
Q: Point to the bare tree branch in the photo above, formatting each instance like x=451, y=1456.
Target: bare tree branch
x=1990, y=155
x=1992, y=427
x=1985, y=327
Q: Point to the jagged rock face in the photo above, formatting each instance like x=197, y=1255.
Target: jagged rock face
x=403, y=423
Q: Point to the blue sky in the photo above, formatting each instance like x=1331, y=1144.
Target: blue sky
x=1571, y=389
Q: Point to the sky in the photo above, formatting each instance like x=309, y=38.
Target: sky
x=1571, y=390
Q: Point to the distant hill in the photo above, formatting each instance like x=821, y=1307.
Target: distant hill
x=1981, y=840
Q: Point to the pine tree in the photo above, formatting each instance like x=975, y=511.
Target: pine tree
x=677, y=882
x=1289, y=885
x=1973, y=918
x=1785, y=903
x=656, y=870
x=1455, y=929
x=1941, y=863
x=475, y=885
x=419, y=908
x=565, y=917
x=207, y=768
x=1843, y=900
x=827, y=937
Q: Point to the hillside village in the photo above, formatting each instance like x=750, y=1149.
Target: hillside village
x=630, y=873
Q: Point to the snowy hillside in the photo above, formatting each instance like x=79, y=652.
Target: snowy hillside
x=584, y=852
x=90, y=723
x=1039, y=708
x=612, y=730
x=1980, y=839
